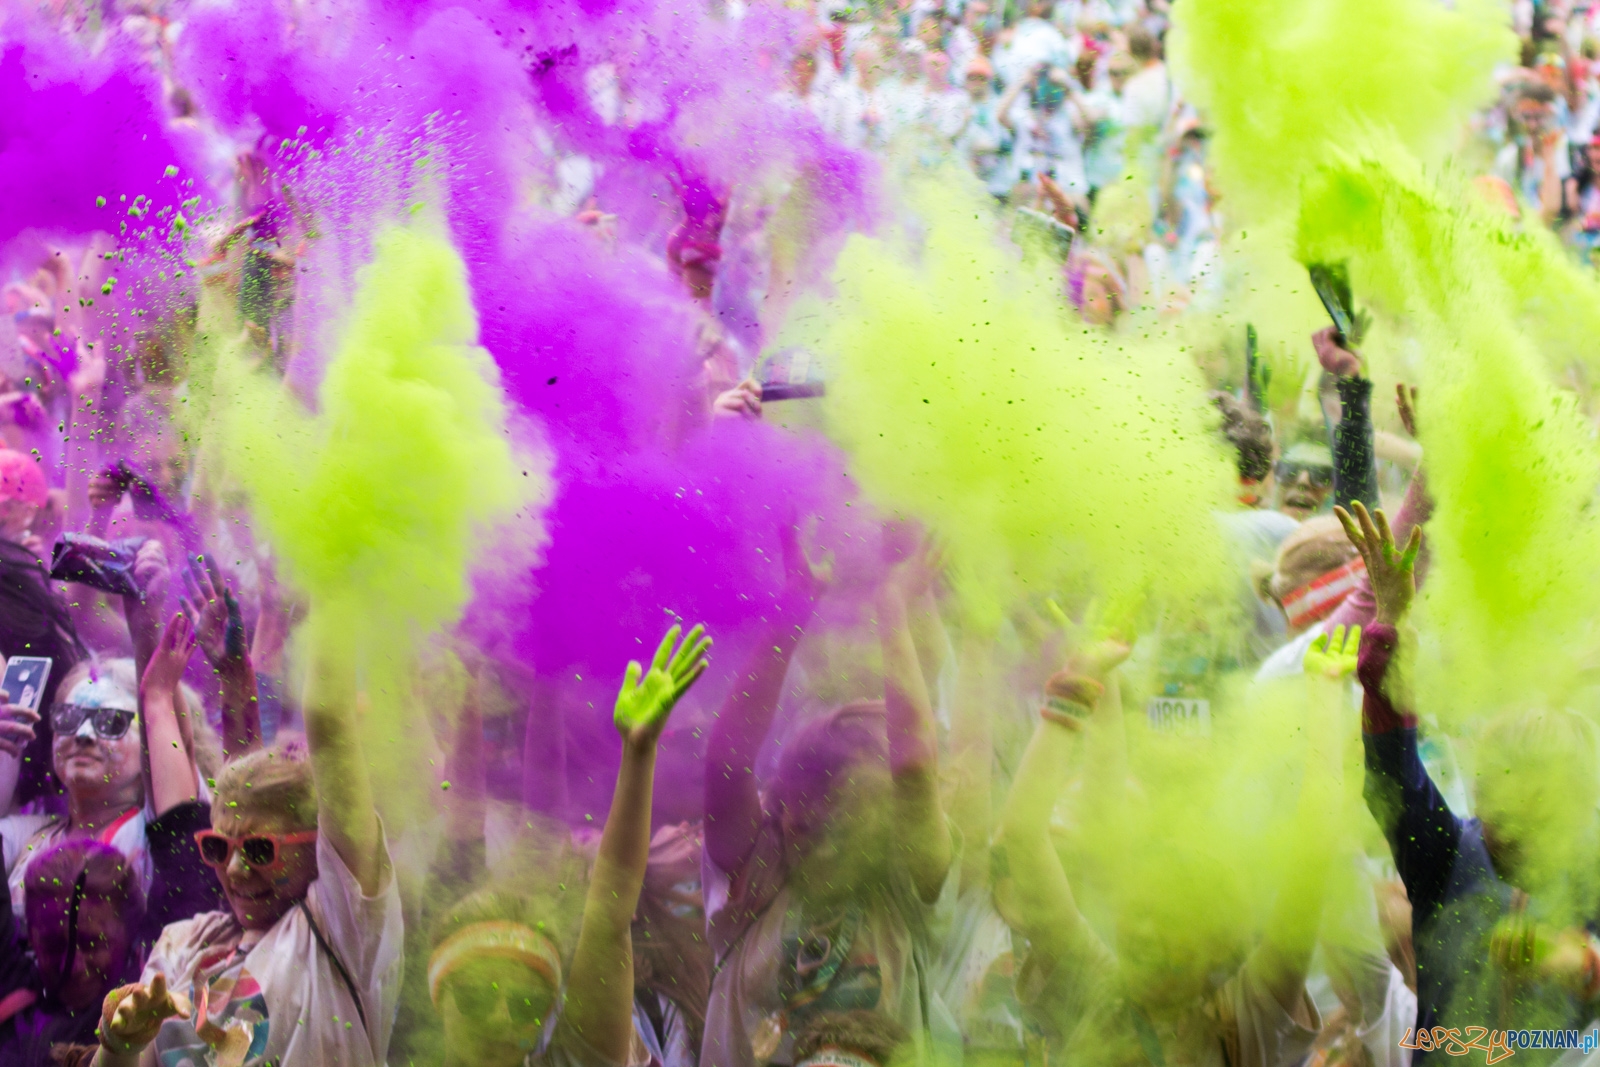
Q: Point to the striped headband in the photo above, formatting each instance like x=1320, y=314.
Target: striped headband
x=498, y=939
x=1316, y=599
x=834, y=1057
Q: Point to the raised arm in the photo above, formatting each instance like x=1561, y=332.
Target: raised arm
x=1031, y=886
x=344, y=789
x=913, y=740
x=218, y=624
x=1355, y=469
x=172, y=771
x=1423, y=833
x=600, y=993
x=733, y=805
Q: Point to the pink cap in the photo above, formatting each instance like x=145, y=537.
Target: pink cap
x=21, y=479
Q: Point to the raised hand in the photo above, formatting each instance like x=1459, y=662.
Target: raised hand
x=644, y=702
x=1391, y=570
x=803, y=576
x=914, y=566
x=171, y=657
x=1334, y=357
x=213, y=611
x=131, y=1015
x=1333, y=656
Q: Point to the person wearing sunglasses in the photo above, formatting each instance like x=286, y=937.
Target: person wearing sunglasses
x=304, y=966
x=96, y=754
x=498, y=975
x=1304, y=477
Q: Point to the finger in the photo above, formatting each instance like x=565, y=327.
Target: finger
x=214, y=571
x=1408, y=559
x=158, y=986
x=1350, y=529
x=684, y=686
x=684, y=658
x=1368, y=530
x=1382, y=519
x=630, y=677
x=1336, y=639
x=695, y=659
x=1353, y=638
x=664, y=650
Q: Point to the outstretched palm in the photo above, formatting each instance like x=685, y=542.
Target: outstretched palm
x=1390, y=569
x=644, y=702
x=1334, y=655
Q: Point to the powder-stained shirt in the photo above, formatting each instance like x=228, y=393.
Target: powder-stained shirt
x=279, y=991
x=778, y=964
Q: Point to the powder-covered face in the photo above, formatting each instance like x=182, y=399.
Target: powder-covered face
x=494, y=1012
x=103, y=941
x=91, y=765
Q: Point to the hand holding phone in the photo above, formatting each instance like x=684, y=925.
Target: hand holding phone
x=24, y=681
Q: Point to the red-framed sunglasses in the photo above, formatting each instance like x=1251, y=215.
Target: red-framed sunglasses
x=262, y=851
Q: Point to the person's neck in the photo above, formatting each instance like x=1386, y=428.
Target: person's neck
x=95, y=813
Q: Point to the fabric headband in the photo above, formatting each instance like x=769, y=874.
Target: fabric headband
x=500, y=939
x=1316, y=599
x=834, y=1057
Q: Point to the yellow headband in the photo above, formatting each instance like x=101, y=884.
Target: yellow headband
x=504, y=940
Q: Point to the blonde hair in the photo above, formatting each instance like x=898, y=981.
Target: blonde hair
x=266, y=782
x=1317, y=546
x=207, y=746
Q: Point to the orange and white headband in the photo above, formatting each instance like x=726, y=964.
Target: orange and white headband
x=1316, y=599
x=495, y=939
x=834, y=1057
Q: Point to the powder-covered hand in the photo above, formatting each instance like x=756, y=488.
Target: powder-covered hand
x=171, y=658
x=131, y=1015
x=1391, y=570
x=1334, y=357
x=1333, y=656
x=645, y=702
x=212, y=608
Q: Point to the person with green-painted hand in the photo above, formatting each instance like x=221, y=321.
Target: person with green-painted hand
x=483, y=965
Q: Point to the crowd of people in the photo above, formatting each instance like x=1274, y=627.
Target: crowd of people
x=202, y=869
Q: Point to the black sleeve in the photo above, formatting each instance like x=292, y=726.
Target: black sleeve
x=16, y=969
x=182, y=886
x=1355, y=465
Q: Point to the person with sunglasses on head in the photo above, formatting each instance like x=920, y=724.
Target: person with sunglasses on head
x=304, y=965
x=113, y=793
x=497, y=974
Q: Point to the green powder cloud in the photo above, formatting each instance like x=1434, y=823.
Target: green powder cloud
x=1051, y=454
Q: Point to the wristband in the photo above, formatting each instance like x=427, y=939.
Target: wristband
x=1069, y=698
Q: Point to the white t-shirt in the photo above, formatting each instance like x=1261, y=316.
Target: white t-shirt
x=280, y=988
x=1147, y=97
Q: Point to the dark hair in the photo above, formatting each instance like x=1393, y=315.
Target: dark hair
x=1538, y=92
x=1142, y=44
x=865, y=1033
x=34, y=621
x=1248, y=433
x=59, y=882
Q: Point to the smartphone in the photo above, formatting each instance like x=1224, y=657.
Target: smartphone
x=24, y=681
x=1332, y=283
x=789, y=374
x=1042, y=234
